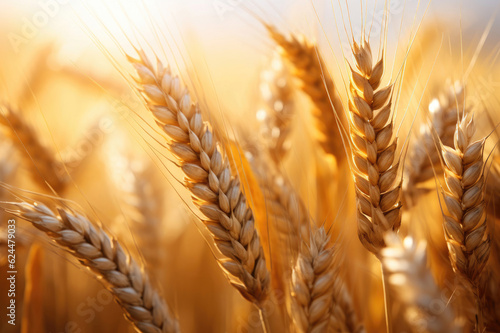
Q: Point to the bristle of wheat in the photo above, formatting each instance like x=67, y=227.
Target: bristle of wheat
x=378, y=186
x=43, y=165
x=320, y=302
x=215, y=187
x=318, y=85
x=412, y=284
x=105, y=257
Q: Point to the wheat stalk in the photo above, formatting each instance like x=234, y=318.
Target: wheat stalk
x=43, y=165
x=105, y=257
x=378, y=189
x=320, y=302
x=319, y=86
x=216, y=189
x=275, y=117
x=424, y=157
x=412, y=284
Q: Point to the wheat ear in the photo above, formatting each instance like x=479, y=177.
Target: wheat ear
x=319, y=86
x=43, y=165
x=284, y=207
x=465, y=225
x=378, y=189
x=320, y=302
x=423, y=157
x=215, y=188
x=104, y=256
x=412, y=284
x=276, y=115
x=142, y=204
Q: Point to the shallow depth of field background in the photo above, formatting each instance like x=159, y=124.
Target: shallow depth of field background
x=59, y=76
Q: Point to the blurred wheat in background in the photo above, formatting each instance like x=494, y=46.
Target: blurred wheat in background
x=249, y=166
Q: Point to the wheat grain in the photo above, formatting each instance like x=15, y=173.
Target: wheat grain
x=105, y=257
x=412, y=284
x=320, y=302
x=43, y=165
x=378, y=188
x=215, y=187
x=319, y=86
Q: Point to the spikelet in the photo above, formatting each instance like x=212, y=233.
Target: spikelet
x=378, y=188
x=215, y=188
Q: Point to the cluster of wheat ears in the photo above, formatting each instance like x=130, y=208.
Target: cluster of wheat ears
x=294, y=268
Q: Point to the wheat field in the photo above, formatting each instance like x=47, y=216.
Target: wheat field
x=249, y=166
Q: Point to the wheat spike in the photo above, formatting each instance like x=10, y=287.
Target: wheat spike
x=313, y=75
x=378, y=189
x=320, y=302
x=215, y=187
x=285, y=208
x=423, y=157
x=43, y=165
x=275, y=117
x=105, y=257
x=465, y=225
x=412, y=284
x=142, y=204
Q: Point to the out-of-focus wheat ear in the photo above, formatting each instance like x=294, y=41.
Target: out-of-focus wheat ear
x=318, y=85
x=465, y=227
x=142, y=202
x=412, y=285
x=375, y=170
x=423, y=156
x=104, y=256
x=215, y=187
x=43, y=165
x=320, y=302
x=278, y=111
x=285, y=208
